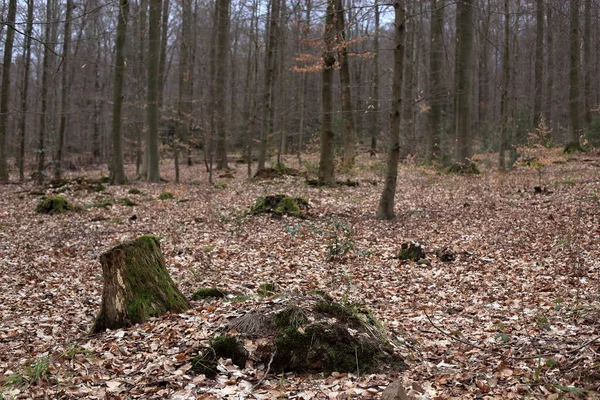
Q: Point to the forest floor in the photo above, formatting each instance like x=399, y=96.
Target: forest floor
x=514, y=315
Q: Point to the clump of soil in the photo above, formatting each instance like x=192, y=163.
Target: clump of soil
x=53, y=205
x=223, y=346
x=280, y=204
x=410, y=251
x=314, y=334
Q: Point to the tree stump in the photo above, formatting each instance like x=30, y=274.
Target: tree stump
x=137, y=285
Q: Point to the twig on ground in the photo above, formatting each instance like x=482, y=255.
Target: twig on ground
x=266, y=372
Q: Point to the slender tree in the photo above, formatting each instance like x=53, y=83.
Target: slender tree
x=375, y=98
x=550, y=69
x=385, y=209
x=505, y=86
x=117, y=169
x=574, y=128
x=7, y=61
x=220, y=104
x=346, y=88
x=25, y=89
x=539, y=62
x=184, y=107
x=153, y=174
x=326, y=161
x=587, y=63
x=64, y=100
x=463, y=82
x=436, y=88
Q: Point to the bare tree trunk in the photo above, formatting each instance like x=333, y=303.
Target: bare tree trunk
x=575, y=127
x=270, y=68
x=162, y=64
x=463, y=83
x=539, y=62
x=375, y=102
x=505, y=86
x=222, y=43
x=326, y=162
x=349, y=138
x=550, y=70
x=48, y=49
x=407, y=143
x=64, y=101
x=153, y=174
x=436, y=89
x=184, y=108
x=117, y=168
x=96, y=152
x=483, y=72
x=7, y=61
x=385, y=209
x=25, y=89
x=587, y=63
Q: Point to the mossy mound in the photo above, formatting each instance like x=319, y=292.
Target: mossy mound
x=223, y=346
x=79, y=183
x=53, y=205
x=469, y=168
x=410, y=251
x=312, y=334
x=280, y=204
x=573, y=147
x=208, y=293
x=165, y=196
x=273, y=173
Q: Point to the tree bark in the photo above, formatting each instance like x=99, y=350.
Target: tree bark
x=64, y=100
x=463, y=82
x=550, y=70
x=117, y=168
x=539, y=62
x=25, y=89
x=386, y=202
x=184, y=107
x=153, y=174
x=436, y=88
x=137, y=285
x=7, y=61
x=575, y=127
x=222, y=47
x=326, y=160
x=587, y=63
x=375, y=100
x=505, y=86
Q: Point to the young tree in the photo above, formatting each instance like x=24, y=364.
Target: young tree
x=386, y=202
x=184, y=107
x=7, y=61
x=574, y=128
x=346, y=88
x=153, y=174
x=25, y=89
x=221, y=61
x=539, y=62
x=505, y=86
x=375, y=99
x=463, y=82
x=436, y=88
x=64, y=100
x=587, y=63
x=117, y=169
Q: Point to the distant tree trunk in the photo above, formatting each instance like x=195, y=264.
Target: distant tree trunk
x=375, y=101
x=386, y=202
x=153, y=174
x=7, y=61
x=270, y=67
x=48, y=49
x=349, y=138
x=222, y=51
x=483, y=72
x=162, y=64
x=25, y=89
x=64, y=100
x=463, y=81
x=587, y=63
x=550, y=69
x=96, y=147
x=505, y=86
x=539, y=62
x=184, y=108
x=436, y=89
x=326, y=161
x=141, y=167
x=304, y=84
x=137, y=285
x=407, y=141
x=117, y=168
x=575, y=127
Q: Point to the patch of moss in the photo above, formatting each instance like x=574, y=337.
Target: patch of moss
x=103, y=203
x=291, y=317
x=165, y=196
x=410, y=251
x=205, y=363
x=99, y=188
x=266, y=289
x=53, y=205
x=126, y=201
x=207, y=293
x=280, y=204
x=220, y=185
x=134, y=191
x=227, y=346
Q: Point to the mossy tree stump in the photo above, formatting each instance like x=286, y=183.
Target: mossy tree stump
x=137, y=285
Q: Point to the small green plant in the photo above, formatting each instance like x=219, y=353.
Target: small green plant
x=208, y=249
x=37, y=370
x=542, y=322
x=266, y=289
x=340, y=239
x=293, y=229
x=98, y=188
x=134, y=191
x=208, y=293
x=126, y=201
x=220, y=185
x=103, y=202
x=166, y=196
x=74, y=350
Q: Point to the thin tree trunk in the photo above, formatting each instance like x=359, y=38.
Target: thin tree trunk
x=550, y=70
x=385, y=209
x=484, y=75
x=117, y=168
x=25, y=89
x=375, y=102
x=436, y=89
x=326, y=161
x=222, y=43
x=184, y=104
x=539, y=62
x=349, y=137
x=575, y=127
x=7, y=61
x=153, y=174
x=96, y=152
x=463, y=83
x=505, y=86
x=162, y=64
x=406, y=141
x=64, y=101
x=587, y=63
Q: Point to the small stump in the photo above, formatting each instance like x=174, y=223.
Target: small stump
x=411, y=251
x=280, y=204
x=53, y=205
x=137, y=285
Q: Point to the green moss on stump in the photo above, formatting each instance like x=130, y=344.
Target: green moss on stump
x=53, y=205
x=137, y=285
x=207, y=293
x=280, y=204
